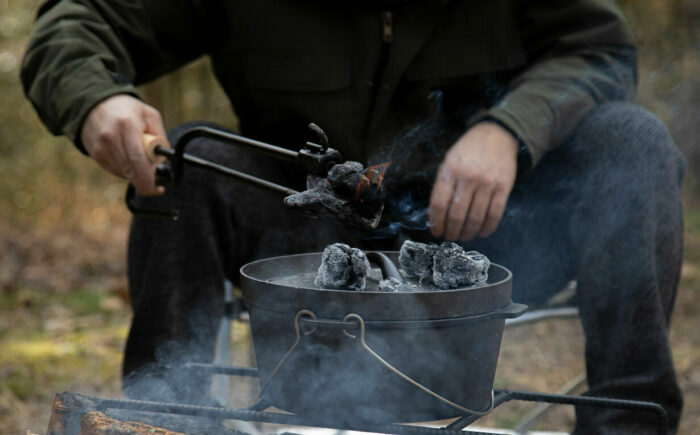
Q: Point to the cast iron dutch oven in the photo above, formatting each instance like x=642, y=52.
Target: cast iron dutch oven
x=371, y=356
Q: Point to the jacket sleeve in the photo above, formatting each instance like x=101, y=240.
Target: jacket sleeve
x=580, y=54
x=83, y=51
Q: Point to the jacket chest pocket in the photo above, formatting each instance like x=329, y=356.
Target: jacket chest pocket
x=296, y=71
x=472, y=38
x=288, y=89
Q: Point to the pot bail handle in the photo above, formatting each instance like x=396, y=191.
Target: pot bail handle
x=403, y=376
x=297, y=329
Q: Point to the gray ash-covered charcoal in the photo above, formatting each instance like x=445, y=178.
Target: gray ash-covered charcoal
x=393, y=285
x=416, y=259
x=455, y=268
x=345, y=177
x=481, y=264
x=314, y=181
x=322, y=202
x=346, y=194
x=319, y=202
x=342, y=267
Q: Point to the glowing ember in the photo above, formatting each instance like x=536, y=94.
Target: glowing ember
x=348, y=194
x=371, y=177
x=377, y=171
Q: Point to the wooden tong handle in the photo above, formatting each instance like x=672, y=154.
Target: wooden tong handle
x=150, y=142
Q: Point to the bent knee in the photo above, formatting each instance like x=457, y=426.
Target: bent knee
x=628, y=136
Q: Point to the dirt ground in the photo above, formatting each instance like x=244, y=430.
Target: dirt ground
x=64, y=318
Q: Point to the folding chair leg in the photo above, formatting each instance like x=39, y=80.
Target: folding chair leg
x=221, y=389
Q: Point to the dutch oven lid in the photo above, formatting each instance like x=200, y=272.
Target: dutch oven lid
x=285, y=285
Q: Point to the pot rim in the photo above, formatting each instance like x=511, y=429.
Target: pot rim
x=508, y=277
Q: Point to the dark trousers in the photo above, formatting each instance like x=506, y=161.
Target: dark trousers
x=604, y=208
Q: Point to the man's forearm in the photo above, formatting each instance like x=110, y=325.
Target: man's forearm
x=581, y=54
x=84, y=51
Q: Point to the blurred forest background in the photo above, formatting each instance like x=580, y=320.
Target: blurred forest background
x=63, y=229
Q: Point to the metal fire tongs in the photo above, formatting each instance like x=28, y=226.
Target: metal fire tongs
x=314, y=158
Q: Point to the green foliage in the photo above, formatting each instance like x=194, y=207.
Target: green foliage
x=43, y=179
x=692, y=222
x=691, y=270
x=668, y=36
x=53, y=342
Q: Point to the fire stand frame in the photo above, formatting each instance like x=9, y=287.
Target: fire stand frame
x=256, y=412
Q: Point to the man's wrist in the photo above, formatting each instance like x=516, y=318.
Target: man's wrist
x=523, y=156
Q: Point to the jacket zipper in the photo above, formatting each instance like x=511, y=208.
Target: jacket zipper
x=387, y=23
x=387, y=26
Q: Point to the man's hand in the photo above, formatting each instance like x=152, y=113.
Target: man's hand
x=112, y=133
x=473, y=183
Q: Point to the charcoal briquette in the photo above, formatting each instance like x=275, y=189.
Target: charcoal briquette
x=393, y=285
x=322, y=202
x=336, y=197
x=342, y=267
x=314, y=181
x=345, y=177
x=416, y=259
x=455, y=268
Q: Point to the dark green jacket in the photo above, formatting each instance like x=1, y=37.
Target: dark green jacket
x=363, y=75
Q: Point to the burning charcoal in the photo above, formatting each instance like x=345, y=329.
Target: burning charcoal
x=342, y=267
x=454, y=268
x=416, y=259
x=321, y=202
x=346, y=177
x=393, y=285
x=361, y=186
x=350, y=193
x=314, y=181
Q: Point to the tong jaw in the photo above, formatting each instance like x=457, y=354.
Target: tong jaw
x=318, y=159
